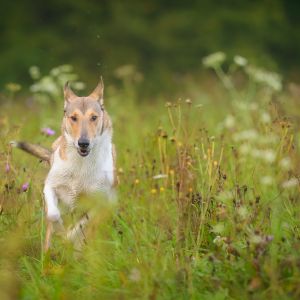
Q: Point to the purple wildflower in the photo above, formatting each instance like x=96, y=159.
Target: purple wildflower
x=7, y=167
x=25, y=187
x=48, y=131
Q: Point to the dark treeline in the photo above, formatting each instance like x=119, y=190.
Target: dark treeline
x=163, y=39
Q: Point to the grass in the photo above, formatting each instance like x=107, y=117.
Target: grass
x=208, y=200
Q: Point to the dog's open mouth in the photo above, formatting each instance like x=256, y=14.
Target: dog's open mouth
x=83, y=152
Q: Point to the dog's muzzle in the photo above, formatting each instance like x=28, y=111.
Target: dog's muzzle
x=83, y=149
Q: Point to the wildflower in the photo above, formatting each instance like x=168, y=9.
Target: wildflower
x=256, y=239
x=219, y=240
x=271, y=79
x=290, y=183
x=240, y=60
x=215, y=163
x=159, y=176
x=249, y=134
x=265, y=118
x=245, y=149
x=243, y=212
x=214, y=60
x=218, y=228
x=48, y=131
x=135, y=275
x=25, y=187
x=285, y=163
x=188, y=101
x=13, y=87
x=171, y=172
x=168, y=104
x=78, y=85
x=7, y=167
x=267, y=155
x=46, y=85
x=66, y=68
x=136, y=181
x=153, y=191
x=190, y=189
x=229, y=121
x=266, y=180
x=161, y=189
x=34, y=72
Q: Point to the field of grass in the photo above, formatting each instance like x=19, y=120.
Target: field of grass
x=208, y=202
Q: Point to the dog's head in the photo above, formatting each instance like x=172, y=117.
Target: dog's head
x=84, y=118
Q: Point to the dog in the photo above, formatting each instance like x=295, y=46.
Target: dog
x=82, y=160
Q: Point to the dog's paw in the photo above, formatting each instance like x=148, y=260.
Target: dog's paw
x=53, y=214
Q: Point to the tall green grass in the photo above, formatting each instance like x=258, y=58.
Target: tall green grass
x=208, y=201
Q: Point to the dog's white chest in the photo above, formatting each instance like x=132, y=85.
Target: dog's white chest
x=76, y=174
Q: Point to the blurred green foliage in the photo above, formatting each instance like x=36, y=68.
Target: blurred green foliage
x=164, y=40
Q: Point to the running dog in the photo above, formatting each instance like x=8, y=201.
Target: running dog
x=82, y=159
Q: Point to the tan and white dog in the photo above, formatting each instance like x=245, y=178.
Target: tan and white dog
x=82, y=159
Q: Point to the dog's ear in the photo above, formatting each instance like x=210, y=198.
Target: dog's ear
x=97, y=94
x=69, y=95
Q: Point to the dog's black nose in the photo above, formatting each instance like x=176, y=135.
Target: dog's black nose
x=83, y=143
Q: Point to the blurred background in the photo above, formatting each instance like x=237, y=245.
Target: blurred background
x=163, y=41
x=204, y=100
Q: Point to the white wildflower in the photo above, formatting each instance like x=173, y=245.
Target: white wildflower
x=245, y=135
x=214, y=60
x=159, y=176
x=267, y=155
x=78, y=85
x=55, y=72
x=34, y=72
x=290, y=183
x=265, y=117
x=66, y=68
x=219, y=240
x=245, y=149
x=266, y=180
x=271, y=79
x=240, y=60
x=285, y=163
x=229, y=121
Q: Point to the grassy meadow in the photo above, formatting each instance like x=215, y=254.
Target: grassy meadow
x=208, y=200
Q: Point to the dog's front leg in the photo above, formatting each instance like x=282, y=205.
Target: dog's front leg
x=52, y=213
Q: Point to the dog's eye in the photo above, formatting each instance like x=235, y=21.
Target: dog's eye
x=74, y=118
x=94, y=118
